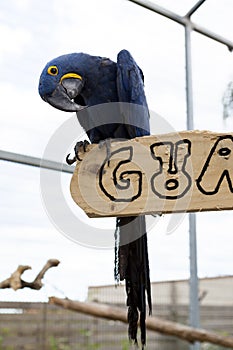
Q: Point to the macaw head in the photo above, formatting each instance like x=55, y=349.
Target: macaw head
x=62, y=81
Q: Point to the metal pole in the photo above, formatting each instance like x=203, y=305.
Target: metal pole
x=194, y=317
x=188, y=75
x=194, y=8
x=149, y=5
x=194, y=314
x=183, y=20
x=34, y=161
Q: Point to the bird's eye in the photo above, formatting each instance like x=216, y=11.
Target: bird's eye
x=52, y=70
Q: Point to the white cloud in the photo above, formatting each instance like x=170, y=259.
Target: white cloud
x=13, y=40
x=27, y=122
x=23, y=5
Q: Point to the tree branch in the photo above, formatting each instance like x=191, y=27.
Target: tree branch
x=16, y=282
x=152, y=323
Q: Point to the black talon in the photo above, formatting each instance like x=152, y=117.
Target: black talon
x=80, y=144
x=77, y=157
x=85, y=144
x=70, y=161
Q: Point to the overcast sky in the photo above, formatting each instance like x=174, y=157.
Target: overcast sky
x=32, y=33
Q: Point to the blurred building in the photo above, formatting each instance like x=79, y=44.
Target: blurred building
x=30, y=326
x=217, y=291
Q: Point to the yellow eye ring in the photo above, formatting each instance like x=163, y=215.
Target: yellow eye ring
x=52, y=70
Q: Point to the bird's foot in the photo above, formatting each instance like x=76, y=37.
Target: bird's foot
x=107, y=144
x=80, y=146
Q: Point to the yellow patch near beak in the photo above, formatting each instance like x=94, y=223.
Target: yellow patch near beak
x=71, y=75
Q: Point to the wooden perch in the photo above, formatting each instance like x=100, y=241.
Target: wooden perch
x=152, y=323
x=15, y=281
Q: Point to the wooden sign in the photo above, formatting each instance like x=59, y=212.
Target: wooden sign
x=189, y=171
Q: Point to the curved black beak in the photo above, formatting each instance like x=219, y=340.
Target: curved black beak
x=62, y=97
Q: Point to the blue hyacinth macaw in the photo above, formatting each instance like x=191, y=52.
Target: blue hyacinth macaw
x=71, y=83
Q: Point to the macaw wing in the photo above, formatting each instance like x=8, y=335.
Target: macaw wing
x=130, y=88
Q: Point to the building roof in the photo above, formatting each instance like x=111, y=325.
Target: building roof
x=212, y=291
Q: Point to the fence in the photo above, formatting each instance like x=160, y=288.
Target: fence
x=40, y=326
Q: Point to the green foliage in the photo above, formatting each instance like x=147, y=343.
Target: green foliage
x=212, y=347
x=5, y=331
x=53, y=343
x=207, y=346
x=58, y=344
x=85, y=332
x=87, y=335
x=125, y=345
x=3, y=347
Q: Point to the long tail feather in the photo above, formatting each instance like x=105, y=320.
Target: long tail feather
x=131, y=264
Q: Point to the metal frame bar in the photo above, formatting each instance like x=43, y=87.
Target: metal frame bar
x=194, y=8
x=184, y=20
x=194, y=312
x=160, y=10
x=194, y=315
x=34, y=161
